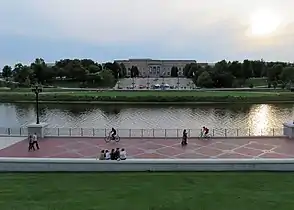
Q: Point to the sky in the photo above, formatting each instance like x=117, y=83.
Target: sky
x=104, y=30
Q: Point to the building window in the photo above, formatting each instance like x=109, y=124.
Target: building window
x=168, y=73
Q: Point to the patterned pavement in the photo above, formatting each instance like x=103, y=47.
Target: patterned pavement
x=157, y=148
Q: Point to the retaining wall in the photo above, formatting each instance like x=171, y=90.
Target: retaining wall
x=159, y=165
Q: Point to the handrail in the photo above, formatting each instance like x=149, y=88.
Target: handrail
x=145, y=133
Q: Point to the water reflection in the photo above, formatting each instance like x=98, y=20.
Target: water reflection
x=257, y=117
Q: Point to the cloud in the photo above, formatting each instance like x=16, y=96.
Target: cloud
x=207, y=30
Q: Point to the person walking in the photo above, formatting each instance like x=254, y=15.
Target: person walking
x=35, y=141
x=31, y=145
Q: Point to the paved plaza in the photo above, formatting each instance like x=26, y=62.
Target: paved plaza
x=156, y=148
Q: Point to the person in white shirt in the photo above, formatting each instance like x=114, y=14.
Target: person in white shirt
x=107, y=155
x=35, y=141
x=123, y=154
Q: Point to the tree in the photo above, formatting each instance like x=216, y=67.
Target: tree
x=205, y=80
x=107, y=78
x=93, y=68
x=287, y=75
x=39, y=68
x=123, y=70
x=174, y=71
x=7, y=71
x=247, y=69
x=134, y=71
x=274, y=72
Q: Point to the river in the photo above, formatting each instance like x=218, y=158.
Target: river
x=254, y=116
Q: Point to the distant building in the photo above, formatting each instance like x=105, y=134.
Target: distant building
x=156, y=68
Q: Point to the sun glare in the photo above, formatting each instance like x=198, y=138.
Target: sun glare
x=264, y=23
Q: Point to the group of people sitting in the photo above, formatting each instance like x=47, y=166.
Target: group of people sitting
x=113, y=154
x=204, y=134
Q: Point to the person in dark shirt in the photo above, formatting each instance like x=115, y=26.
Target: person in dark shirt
x=113, y=133
x=117, y=154
x=185, y=136
x=112, y=155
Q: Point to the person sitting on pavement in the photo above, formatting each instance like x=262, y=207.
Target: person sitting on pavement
x=117, y=154
x=112, y=155
x=102, y=155
x=107, y=155
x=123, y=154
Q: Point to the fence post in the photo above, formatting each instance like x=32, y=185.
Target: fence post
x=153, y=133
x=93, y=131
x=226, y=133
x=8, y=131
x=82, y=132
x=142, y=133
x=273, y=132
x=213, y=132
x=70, y=132
x=164, y=133
x=189, y=133
x=130, y=132
x=105, y=132
x=20, y=132
x=237, y=132
x=177, y=133
x=249, y=131
x=260, y=132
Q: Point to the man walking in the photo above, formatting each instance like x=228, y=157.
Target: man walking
x=31, y=145
x=35, y=141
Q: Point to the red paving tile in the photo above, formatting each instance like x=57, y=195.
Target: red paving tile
x=158, y=148
x=249, y=152
x=256, y=145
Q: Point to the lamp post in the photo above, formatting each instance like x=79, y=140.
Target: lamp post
x=148, y=83
x=37, y=90
x=178, y=82
x=133, y=83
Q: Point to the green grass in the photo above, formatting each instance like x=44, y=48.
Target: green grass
x=143, y=191
x=151, y=96
x=256, y=82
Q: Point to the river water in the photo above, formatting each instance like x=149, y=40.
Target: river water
x=254, y=116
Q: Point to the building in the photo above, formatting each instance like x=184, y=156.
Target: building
x=155, y=68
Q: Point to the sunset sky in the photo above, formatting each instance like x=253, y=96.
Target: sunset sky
x=209, y=30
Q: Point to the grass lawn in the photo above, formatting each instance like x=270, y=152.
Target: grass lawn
x=177, y=93
x=256, y=82
x=143, y=191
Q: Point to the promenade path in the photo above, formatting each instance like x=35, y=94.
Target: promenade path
x=155, y=148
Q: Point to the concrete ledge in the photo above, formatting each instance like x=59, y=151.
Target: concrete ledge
x=92, y=165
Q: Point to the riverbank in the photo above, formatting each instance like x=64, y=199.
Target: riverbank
x=150, y=97
x=210, y=191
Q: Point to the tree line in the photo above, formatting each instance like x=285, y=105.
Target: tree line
x=224, y=74
x=88, y=73
x=85, y=72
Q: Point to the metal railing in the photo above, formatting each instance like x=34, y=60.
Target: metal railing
x=23, y=131
x=145, y=133
x=160, y=133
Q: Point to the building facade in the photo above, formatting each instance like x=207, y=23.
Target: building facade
x=156, y=68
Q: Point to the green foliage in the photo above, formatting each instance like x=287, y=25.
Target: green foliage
x=205, y=80
x=174, y=71
x=81, y=73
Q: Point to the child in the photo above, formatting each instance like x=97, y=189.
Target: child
x=102, y=155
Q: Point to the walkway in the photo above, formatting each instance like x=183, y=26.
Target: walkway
x=157, y=148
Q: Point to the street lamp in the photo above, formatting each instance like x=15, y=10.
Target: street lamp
x=37, y=90
x=148, y=83
x=133, y=83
